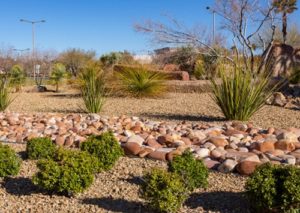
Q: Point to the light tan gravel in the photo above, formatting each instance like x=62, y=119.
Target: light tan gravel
x=117, y=191
x=193, y=107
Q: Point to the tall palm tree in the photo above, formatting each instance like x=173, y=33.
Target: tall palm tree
x=285, y=7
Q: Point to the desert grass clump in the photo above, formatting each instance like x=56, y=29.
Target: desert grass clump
x=141, y=82
x=239, y=95
x=92, y=87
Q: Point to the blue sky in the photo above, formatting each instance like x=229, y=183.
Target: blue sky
x=101, y=25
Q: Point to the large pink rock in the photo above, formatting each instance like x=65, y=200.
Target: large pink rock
x=218, y=141
x=247, y=167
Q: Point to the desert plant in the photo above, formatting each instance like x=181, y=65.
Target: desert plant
x=105, y=147
x=10, y=162
x=239, y=95
x=274, y=187
x=193, y=171
x=57, y=74
x=69, y=172
x=38, y=148
x=199, y=70
x=5, y=99
x=164, y=191
x=142, y=82
x=17, y=77
x=92, y=86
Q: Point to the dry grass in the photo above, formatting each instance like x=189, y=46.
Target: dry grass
x=191, y=107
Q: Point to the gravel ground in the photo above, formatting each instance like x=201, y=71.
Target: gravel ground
x=192, y=107
x=117, y=191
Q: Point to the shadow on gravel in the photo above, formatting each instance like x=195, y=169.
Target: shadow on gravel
x=117, y=205
x=136, y=180
x=19, y=186
x=219, y=201
x=70, y=96
x=203, y=118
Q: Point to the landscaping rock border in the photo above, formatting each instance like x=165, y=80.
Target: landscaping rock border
x=232, y=147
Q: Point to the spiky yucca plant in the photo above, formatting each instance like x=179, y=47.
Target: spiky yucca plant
x=240, y=95
x=142, y=82
x=92, y=87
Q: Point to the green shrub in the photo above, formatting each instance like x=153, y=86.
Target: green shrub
x=57, y=74
x=38, y=148
x=17, y=77
x=274, y=187
x=164, y=191
x=92, y=86
x=105, y=147
x=142, y=82
x=5, y=99
x=70, y=172
x=240, y=95
x=193, y=171
x=10, y=162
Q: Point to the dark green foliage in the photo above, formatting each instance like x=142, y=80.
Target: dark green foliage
x=70, y=172
x=274, y=187
x=38, y=148
x=105, y=147
x=164, y=191
x=295, y=76
x=193, y=171
x=10, y=162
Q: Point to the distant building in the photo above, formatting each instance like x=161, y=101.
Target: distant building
x=143, y=59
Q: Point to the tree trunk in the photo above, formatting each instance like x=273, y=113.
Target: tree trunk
x=56, y=88
x=284, y=26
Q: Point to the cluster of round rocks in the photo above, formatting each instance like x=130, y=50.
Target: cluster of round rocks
x=232, y=147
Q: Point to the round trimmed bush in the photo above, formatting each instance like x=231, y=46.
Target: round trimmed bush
x=39, y=148
x=10, y=162
x=164, y=191
x=70, y=172
x=274, y=188
x=193, y=171
x=105, y=147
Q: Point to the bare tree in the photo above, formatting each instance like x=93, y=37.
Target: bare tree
x=243, y=18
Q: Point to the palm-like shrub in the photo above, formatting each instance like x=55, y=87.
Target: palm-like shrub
x=17, y=77
x=5, y=99
x=57, y=74
x=92, y=86
x=239, y=95
x=142, y=82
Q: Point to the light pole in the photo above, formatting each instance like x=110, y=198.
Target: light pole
x=33, y=50
x=214, y=22
x=20, y=51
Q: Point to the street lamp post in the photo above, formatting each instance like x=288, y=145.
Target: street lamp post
x=33, y=50
x=20, y=51
x=214, y=22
